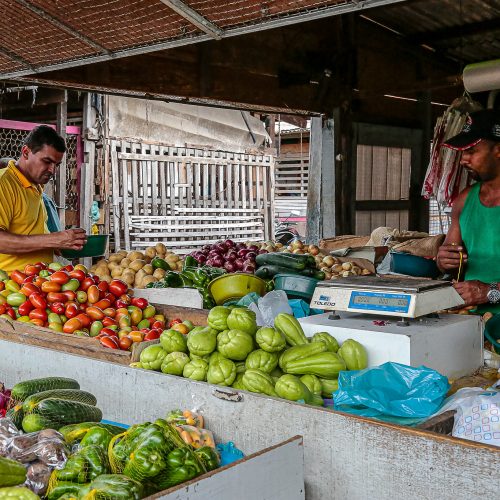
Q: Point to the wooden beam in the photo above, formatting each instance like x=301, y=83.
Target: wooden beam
x=313, y=225
x=61, y=122
x=374, y=205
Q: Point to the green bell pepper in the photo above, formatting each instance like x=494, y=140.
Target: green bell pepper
x=172, y=280
x=182, y=465
x=97, y=436
x=96, y=460
x=209, y=457
x=115, y=486
x=75, y=470
x=66, y=489
x=190, y=261
x=123, y=447
x=19, y=493
x=159, y=263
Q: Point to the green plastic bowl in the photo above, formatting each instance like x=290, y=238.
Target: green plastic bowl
x=95, y=247
x=299, y=287
x=234, y=286
x=413, y=265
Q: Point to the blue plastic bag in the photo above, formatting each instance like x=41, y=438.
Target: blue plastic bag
x=301, y=309
x=229, y=453
x=391, y=392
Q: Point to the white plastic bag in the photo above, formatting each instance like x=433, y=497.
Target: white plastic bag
x=477, y=416
x=269, y=306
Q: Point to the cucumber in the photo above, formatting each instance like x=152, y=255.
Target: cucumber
x=70, y=394
x=16, y=415
x=67, y=412
x=270, y=271
x=24, y=389
x=75, y=432
x=314, y=273
x=35, y=423
x=288, y=260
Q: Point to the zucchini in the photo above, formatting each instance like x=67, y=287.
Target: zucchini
x=70, y=394
x=314, y=273
x=288, y=260
x=270, y=271
x=16, y=415
x=75, y=432
x=35, y=423
x=12, y=473
x=24, y=389
x=67, y=412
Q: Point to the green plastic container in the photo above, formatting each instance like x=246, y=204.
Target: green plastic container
x=234, y=286
x=413, y=265
x=95, y=247
x=298, y=287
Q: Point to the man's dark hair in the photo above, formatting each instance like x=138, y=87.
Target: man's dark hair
x=44, y=135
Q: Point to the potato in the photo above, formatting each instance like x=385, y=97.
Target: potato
x=150, y=252
x=347, y=266
x=93, y=268
x=365, y=272
x=159, y=273
x=112, y=265
x=148, y=279
x=125, y=262
x=128, y=276
x=328, y=261
x=298, y=251
x=115, y=257
x=179, y=265
x=107, y=278
x=160, y=248
x=135, y=255
x=117, y=272
x=328, y=276
x=122, y=252
x=137, y=264
x=356, y=270
x=313, y=250
x=148, y=269
x=172, y=258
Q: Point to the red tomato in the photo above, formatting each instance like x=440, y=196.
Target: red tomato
x=125, y=343
x=57, y=307
x=31, y=270
x=37, y=322
x=118, y=287
x=18, y=277
x=68, y=268
x=140, y=302
x=109, y=296
x=121, y=311
x=70, y=295
x=71, y=325
x=93, y=294
x=127, y=299
x=38, y=300
x=85, y=320
x=56, y=297
x=10, y=312
x=50, y=286
x=152, y=335
x=29, y=288
x=144, y=330
x=109, y=332
x=109, y=321
x=30, y=279
x=2, y=286
x=110, y=342
x=158, y=324
x=60, y=277
x=174, y=322
x=86, y=283
x=103, y=286
x=71, y=311
x=3, y=308
x=77, y=274
x=25, y=308
x=38, y=281
x=110, y=312
x=103, y=303
x=37, y=313
x=95, y=313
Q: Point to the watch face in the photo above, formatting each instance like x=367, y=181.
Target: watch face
x=493, y=296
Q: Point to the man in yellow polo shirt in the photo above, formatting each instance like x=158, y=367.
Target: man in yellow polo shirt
x=24, y=237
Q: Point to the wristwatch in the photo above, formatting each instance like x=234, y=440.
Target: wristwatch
x=493, y=294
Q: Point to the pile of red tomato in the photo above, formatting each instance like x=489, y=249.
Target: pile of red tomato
x=70, y=300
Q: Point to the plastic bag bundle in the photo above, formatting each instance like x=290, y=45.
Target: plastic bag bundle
x=186, y=417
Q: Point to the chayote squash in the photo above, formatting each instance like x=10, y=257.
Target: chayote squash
x=301, y=351
x=240, y=366
x=291, y=329
x=238, y=382
x=270, y=340
x=354, y=355
x=17, y=493
x=258, y=381
x=276, y=374
x=331, y=342
x=242, y=319
x=174, y=363
x=152, y=357
x=217, y=318
x=324, y=364
x=173, y=341
x=202, y=342
x=328, y=386
x=312, y=383
x=196, y=369
x=262, y=360
x=222, y=371
x=290, y=387
x=234, y=344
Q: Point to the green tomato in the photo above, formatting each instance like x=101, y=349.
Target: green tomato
x=73, y=284
x=55, y=266
x=16, y=299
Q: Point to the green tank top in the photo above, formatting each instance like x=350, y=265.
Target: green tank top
x=480, y=228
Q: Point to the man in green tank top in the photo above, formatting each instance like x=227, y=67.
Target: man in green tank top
x=471, y=249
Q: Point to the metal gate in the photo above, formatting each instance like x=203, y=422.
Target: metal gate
x=12, y=135
x=153, y=183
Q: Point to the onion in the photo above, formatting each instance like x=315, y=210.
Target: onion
x=218, y=261
x=253, y=248
x=239, y=246
x=262, y=251
x=229, y=243
x=248, y=268
x=202, y=259
x=238, y=264
x=243, y=252
x=251, y=255
x=231, y=256
x=4, y=401
x=229, y=267
x=206, y=248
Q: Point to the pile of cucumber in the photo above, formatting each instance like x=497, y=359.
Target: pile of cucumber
x=270, y=264
x=51, y=403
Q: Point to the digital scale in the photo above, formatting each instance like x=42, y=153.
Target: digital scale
x=395, y=320
x=401, y=297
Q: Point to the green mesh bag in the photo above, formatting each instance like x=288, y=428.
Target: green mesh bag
x=113, y=487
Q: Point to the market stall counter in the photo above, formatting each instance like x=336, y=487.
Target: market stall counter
x=345, y=456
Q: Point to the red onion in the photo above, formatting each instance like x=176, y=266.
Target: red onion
x=253, y=248
x=262, y=251
x=229, y=243
x=251, y=255
x=238, y=263
x=229, y=267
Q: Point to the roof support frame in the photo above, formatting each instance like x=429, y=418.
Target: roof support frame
x=14, y=57
x=322, y=12
x=194, y=18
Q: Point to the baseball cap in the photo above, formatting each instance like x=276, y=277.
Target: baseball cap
x=479, y=125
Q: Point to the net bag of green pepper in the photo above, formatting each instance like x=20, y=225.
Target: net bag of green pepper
x=113, y=487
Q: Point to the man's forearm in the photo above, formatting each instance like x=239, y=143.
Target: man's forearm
x=18, y=244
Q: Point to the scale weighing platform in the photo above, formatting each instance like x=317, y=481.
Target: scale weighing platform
x=369, y=309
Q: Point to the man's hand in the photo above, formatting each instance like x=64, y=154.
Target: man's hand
x=448, y=257
x=473, y=292
x=71, y=239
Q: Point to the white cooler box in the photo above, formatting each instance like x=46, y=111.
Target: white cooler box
x=451, y=344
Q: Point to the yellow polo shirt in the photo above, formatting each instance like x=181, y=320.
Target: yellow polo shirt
x=22, y=211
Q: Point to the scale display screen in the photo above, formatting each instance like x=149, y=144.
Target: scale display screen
x=373, y=301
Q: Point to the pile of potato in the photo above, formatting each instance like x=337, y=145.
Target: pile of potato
x=135, y=268
x=334, y=268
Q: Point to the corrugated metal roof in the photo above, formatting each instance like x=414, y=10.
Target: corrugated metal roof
x=42, y=35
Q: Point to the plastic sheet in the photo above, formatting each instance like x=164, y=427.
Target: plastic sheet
x=269, y=306
x=391, y=390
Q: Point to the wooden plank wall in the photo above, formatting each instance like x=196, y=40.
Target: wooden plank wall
x=158, y=179
x=292, y=178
